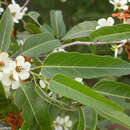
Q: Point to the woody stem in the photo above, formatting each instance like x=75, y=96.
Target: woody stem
x=25, y=4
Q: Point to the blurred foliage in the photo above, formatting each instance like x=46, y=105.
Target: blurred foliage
x=74, y=11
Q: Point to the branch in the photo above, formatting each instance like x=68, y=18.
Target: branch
x=25, y=4
x=89, y=43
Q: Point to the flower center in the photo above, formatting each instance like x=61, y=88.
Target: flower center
x=19, y=69
x=2, y=64
x=118, y=4
x=11, y=77
x=13, y=13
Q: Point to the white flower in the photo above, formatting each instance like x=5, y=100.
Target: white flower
x=119, y=4
x=80, y=80
x=22, y=68
x=7, y=80
x=1, y=10
x=6, y=64
x=67, y=123
x=61, y=123
x=42, y=84
x=58, y=123
x=105, y=22
x=58, y=50
x=16, y=11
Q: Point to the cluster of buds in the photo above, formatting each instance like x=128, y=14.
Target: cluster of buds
x=13, y=72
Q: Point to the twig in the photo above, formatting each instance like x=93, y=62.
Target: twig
x=89, y=43
x=26, y=3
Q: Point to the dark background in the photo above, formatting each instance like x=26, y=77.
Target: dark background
x=74, y=11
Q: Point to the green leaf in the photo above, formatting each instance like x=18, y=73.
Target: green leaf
x=34, y=16
x=57, y=23
x=82, y=121
x=84, y=65
x=33, y=107
x=81, y=30
x=2, y=92
x=111, y=33
x=39, y=44
x=69, y=88
x=46, y=28
x=91, y=117
x=112, y=88
x=32, y=28
x=6, y=27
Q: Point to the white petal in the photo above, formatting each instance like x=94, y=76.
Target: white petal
x=69, y=124
x=24, y=75
x=20, y=60
x=1, y=75
x=58, y=128
x=123, y=2
x=98, y=27
x=102, y=22
x=6, y=80
x=125, y=7
x=59, y=120
x=110, y=21
x=15, y=76
x=4, y=55
x=67, y=118
x=79, y=80
x=42, y=84
x=111, y=1
x=27, y=66
x=15, y=84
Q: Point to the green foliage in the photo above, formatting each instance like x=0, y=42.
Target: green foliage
x=83, y=65
x=81, y=30
x=112, y=88
x=34, y=108
x=6, y=28
x=109, y=34
x=57, y=23
x=40, y=44
x=67, y=87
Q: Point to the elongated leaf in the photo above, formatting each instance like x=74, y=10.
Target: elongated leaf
x=6, y=27
x=65, y=86
x=84, y=65
x=33, y=107
x=111, y=33
x=112, y=88
x=82, y=121
x=32, y=28
x=34, y=15
x=81, y=30
x=91, y=117
x=46, y=28
x=39, y=44
x=57, y=23
x=71, y=89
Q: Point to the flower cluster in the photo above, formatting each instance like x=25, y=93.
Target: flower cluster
x=123, y=15
x=61, y=123
x=12, y=73
x=17, y=11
